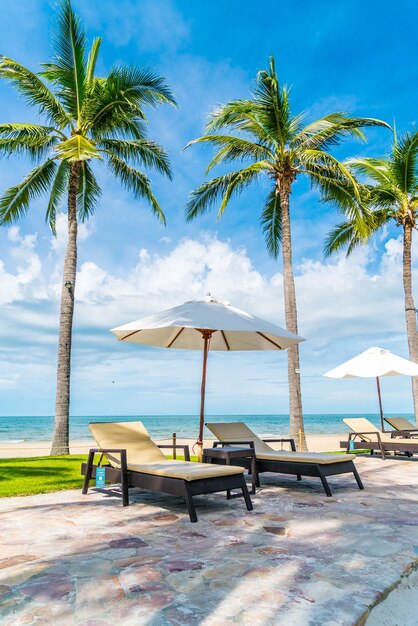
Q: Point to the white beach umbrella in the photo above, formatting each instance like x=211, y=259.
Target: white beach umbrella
x=202, y=325
x=373, y=363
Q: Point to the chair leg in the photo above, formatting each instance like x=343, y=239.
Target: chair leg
x=324, y=483
x=228, y=491
x=89, y=471
x=246, y=495
x=124, y=483
x=357, y=477
x=257, y=478
x=189, y=501
x=124, y=489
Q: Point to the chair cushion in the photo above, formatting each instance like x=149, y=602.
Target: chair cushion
x=238, y=431
x=185, y=470
x=304, y=457
x=130, y=436
x=360, y=425
x=400, y=423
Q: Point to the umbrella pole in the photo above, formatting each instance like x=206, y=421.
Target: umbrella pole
x=380, y=403
x=206, y=334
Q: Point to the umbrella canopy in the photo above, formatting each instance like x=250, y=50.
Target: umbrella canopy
x=181, y=327
x=202, y=325
x=373, y=363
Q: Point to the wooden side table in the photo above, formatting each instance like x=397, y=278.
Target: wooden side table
x=226, y=454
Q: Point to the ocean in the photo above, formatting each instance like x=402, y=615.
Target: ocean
x=29, y=428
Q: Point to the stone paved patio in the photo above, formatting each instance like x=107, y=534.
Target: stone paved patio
x=298, y=559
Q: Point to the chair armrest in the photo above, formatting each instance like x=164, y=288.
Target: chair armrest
x=185, y=448
x=282, y=439
x=104, y=450
x=365, y=432
x=233, y=443
x=121, y=451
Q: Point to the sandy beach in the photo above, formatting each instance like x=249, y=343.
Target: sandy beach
x=316, y=443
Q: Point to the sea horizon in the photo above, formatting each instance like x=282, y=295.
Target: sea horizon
x=32, y=428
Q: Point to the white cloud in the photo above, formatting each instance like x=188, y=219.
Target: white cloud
x=344, y=103
x=152, y=26
x=345, y=305
x=25, y=278
x=59, y=242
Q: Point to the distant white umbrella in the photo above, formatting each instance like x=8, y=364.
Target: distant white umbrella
x=202, y=325
x=373, y=363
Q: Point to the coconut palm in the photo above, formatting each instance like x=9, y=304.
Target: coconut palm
x=275, y=144
x=390, y=195
x=87, y=119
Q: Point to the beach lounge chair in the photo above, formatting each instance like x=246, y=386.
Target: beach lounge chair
x=282, y=461
x=403, y=427
x=136, y=461
x=366, y=435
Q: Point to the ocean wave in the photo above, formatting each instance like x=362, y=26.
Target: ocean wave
x=12, y=441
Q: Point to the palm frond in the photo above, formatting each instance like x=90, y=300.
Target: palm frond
x=324, y=169
x=375, y=169
x=243, y=116
x=296, y=123
x=77, y=148
x=57, y=194
x=139, y=152
x=125, y=127
x=135, y=181
x=91, y=61
x=389, y=197
x=141, y=85
x=331, y=129
x=12, y=130
x=274, y=103
x=88, y=192
x=35, y=92
x=271, y=221
x=124, y=93
x=33, y=140
x=230, y=115
x=15, y=201
x=233, y=148
x=354, y=232
x=68, y=71
x=342, y=236
x=222, y=187
x=404, y=162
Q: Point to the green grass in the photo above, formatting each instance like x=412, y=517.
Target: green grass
x=357, y=451
x=30, y=475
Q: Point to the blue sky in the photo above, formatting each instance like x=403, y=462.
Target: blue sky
x=349, y=57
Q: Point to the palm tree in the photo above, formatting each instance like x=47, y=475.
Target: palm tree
x=391, y=195
x=263, y=132
x=87, y=119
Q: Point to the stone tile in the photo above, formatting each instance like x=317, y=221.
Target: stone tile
x=298, y=558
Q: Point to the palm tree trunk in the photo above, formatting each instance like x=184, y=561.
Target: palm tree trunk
x=410, y=312
x=60, y=443
x=297, y=430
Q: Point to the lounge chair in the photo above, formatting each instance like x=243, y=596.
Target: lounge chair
x=136, y=461
x=282, y=461
x=403, y=427
x=366, y=435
